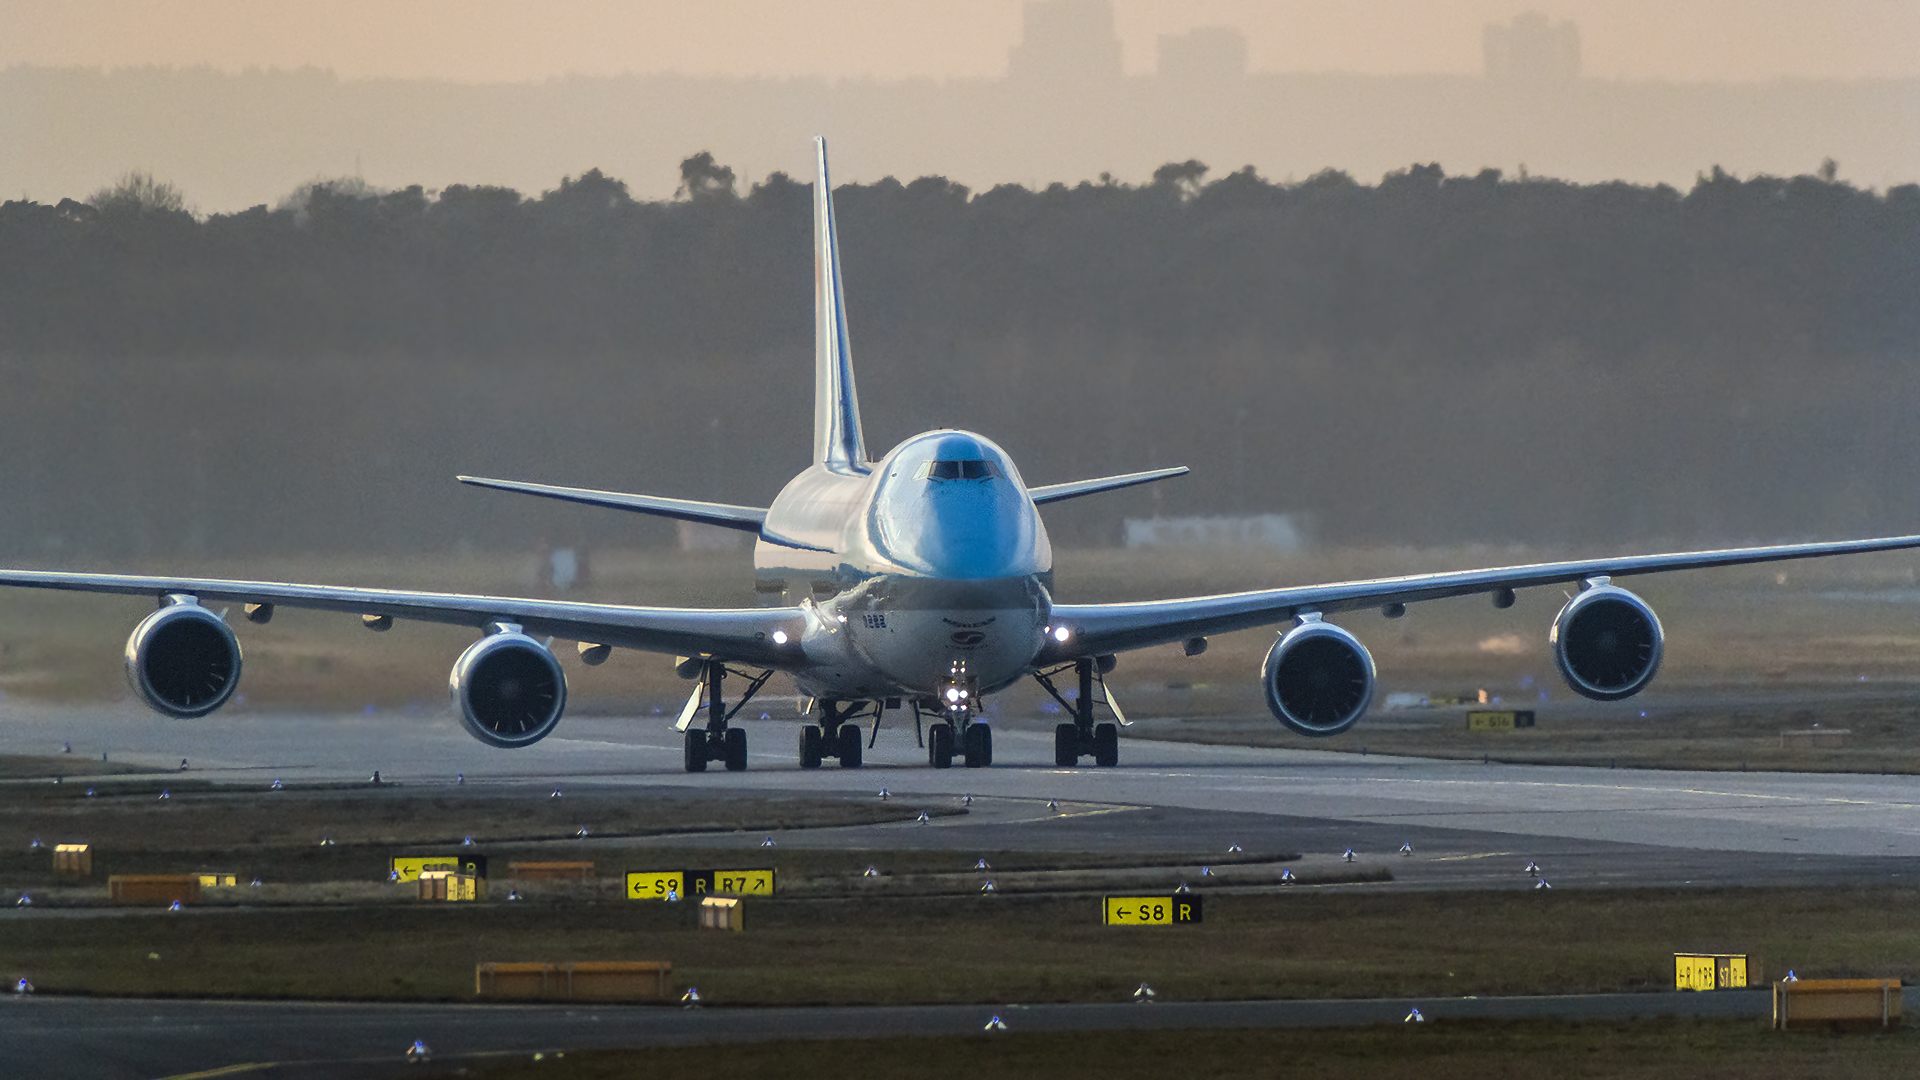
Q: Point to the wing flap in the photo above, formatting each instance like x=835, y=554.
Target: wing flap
x=1106, y=628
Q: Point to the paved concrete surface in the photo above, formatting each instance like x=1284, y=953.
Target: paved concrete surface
x=75, y=1039
x=1155, y=800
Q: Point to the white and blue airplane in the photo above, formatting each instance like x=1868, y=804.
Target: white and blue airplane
x=923, y=580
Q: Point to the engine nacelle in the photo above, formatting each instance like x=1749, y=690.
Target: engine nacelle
x=1607, y=643
x=1318, y=678
x=508, y=689
x=183, y=660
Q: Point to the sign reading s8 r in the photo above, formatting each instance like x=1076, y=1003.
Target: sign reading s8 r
x=1175, y=910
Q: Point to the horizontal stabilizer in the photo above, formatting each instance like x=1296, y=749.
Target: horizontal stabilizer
x=744, y=518
x=1057, y=492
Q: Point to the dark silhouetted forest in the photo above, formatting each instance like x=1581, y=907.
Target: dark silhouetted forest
x=1425, y=359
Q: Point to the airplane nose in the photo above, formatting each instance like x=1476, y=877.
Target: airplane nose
x=963, y=531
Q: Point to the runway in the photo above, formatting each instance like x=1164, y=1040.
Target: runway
x=1469, y=824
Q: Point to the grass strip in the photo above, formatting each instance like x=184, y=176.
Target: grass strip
x=990, y=949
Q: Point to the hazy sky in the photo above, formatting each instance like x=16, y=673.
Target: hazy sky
x=519, y=40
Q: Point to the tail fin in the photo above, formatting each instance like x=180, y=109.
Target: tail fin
x=837, y=442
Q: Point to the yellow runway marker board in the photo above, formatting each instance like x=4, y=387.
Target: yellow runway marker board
x=1709, y=971
x=656, y=885
x=1176, y=910
x=410, y=867
x=696, y=884
x=732, y=883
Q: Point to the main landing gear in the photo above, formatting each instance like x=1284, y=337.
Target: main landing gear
x=957, y=732
x=1082, y=737
x=717, y=741
x=836, y=735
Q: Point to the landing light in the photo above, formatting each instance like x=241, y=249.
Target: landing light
x=1060, y=634
x=779, y=637
x=953, y=693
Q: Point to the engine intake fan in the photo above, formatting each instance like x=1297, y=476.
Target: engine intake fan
x=1318, y=678
x=508, y=689
x=183, y=660
x=1607, y=643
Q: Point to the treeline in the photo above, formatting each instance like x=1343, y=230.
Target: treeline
x=1458, y=270
x=1422, y=360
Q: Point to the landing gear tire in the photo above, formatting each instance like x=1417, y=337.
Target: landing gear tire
x=810, y=748
x=940, y=746
x=696, y=751
x=736, y=749
x=1066, y=745
x=1106, y=745
x=849, y=747
x=979, y=739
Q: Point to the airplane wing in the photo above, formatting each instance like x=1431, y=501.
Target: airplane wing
x=745, y=518
x=1056, y=492
x=764, y=637
x=1095, y=629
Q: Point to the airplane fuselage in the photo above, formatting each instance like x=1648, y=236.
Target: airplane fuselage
x=930, y=563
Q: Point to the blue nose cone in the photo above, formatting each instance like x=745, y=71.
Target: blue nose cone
x=973, y=530
x=952, y=507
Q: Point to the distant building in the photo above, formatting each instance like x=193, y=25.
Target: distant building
x=694, y=536
x=1205, y=54
x=1276, y=532
x=1532, y=50
x=1066, y=39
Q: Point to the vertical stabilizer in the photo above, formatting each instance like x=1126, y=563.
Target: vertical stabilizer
x=837, y=442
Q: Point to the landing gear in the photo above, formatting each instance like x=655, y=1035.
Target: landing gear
x=1066, y=745
x=979, y=740
x=1106, y=745
x=717, y=741
x=1082, y=737
x=728, y=747
x=959, y=733
x=836, y=735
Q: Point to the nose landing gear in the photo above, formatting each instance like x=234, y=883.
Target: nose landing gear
x=957, y=732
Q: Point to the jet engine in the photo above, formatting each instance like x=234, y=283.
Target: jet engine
x=508, y=688
x=183, y=660
x=1607, y=643
x=1319, y=679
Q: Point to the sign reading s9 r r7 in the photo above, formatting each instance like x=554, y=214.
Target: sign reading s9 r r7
x=694, y=884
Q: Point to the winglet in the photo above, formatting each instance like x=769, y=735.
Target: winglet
x=837, y=442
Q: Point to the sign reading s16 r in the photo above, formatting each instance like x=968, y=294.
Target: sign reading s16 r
x=1174, y=910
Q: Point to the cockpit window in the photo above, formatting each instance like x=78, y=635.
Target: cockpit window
x=958, y=470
